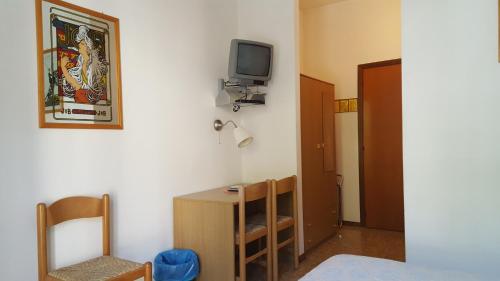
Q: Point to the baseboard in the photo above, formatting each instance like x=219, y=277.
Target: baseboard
x=302, y=257
x=352, y=223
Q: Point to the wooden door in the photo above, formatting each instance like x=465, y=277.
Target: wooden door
x=381, y=145
x=319, y=194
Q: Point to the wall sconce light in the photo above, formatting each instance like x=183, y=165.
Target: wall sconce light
x=242, y=137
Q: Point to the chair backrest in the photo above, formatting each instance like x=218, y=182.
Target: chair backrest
x=255, y=191
x=69, y=209
x=287, y=206
x=286, y=185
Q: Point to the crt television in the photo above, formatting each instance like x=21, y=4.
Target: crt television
x=250, y=62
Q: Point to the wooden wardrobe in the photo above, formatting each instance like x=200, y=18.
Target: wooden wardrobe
x=319, y=188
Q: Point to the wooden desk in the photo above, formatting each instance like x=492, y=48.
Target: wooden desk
x=204, y=222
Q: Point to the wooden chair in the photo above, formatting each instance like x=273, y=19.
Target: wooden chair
x=104, y=268
x=249, y=231
x=284, y=216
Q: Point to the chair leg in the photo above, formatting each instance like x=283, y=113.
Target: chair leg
x=274, y=250
x=296, y=256
x=243, y=263
x=148, y=272
x=296, y=253
x=269, y=256
x=269, y=266
x=296, y=247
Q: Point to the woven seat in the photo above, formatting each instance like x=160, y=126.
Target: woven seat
x=284, y=219
x=260, y=219
x=98, y=269
x=284, y=222
x=253, y=231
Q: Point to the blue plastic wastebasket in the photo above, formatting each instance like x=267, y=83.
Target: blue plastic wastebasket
x=176, y=265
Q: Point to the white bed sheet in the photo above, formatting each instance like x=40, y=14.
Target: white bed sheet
x=359, y=268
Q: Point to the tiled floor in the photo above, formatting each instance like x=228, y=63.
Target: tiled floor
x=354, y=240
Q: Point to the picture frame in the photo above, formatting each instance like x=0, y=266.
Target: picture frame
x=79, y=75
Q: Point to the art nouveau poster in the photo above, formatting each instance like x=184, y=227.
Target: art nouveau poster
x=78, y=67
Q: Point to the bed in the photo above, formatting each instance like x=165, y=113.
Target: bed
x=359, y=268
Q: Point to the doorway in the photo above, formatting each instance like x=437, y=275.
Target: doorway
x=381, y=145
x=335, y=38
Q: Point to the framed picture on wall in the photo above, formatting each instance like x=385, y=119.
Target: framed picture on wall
x=79, y=80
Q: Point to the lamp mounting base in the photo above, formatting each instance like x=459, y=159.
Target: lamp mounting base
x=218, y=125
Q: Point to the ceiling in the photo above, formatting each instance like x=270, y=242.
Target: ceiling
x=306, y=4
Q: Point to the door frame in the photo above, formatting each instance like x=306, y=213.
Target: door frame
x=361, y=68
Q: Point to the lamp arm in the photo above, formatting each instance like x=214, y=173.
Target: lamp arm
x=230, y=121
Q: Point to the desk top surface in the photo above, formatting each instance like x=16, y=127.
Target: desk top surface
x=219, y=195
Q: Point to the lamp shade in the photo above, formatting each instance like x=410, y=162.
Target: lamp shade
x=242, y=137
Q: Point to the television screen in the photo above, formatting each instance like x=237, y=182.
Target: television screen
x=253, y=60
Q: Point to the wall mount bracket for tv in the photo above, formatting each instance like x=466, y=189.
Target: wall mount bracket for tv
x=239, y=95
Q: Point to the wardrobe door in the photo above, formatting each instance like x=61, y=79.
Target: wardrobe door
x=312, y=158
x=318, y=160
x=328, y=128
x=329, y=162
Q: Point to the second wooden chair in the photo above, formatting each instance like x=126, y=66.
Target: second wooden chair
x=284, y=217
x=249, y=231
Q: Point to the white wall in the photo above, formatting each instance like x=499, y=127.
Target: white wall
x=451, y=86
x=335, y=39
x=172, y=54
x=273, y=154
